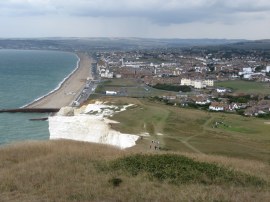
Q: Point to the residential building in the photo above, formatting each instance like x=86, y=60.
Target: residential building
x=217, y=106
x=197, y=83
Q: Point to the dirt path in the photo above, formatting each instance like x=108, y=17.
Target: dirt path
x=185, y=141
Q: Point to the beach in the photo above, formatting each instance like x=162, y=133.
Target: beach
x=70, y=88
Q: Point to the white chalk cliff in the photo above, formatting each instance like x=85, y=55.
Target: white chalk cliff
x=93, y=127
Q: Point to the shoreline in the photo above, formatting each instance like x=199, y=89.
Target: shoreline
x=68, y=89
x=58, y=86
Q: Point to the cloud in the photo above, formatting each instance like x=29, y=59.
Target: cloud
x=158, y=11
x=140, y=18
x=13, y=8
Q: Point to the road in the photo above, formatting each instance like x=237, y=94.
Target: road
x=89, y=88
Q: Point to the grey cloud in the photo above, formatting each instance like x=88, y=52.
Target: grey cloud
x=157, y=11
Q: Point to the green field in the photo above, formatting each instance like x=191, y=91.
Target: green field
x=188, y=130
x=240, y=86
x=130, y=88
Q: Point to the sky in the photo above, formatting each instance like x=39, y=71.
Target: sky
x=185, y=19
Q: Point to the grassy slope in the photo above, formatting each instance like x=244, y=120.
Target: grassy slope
x=188, y=130
x=240, y=86
x=67, y=171
x=70, y=171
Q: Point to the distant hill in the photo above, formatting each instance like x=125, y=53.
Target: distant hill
x=248, y=45
x=89, y=44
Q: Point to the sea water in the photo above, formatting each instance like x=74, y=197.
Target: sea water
x=26, y=75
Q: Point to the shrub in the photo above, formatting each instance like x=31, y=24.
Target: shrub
x=115, y=181
x=178, y=169
x=169, y=87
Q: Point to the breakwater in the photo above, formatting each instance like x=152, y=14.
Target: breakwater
x=30, y=110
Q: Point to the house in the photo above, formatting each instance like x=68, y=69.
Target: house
x=169, y=97
x=262, y=107
x=201, y=100
x=106, y=74
x=233, y=107
x=246, y=71
x=268, y=69
x=217, y=106
x=118, y=76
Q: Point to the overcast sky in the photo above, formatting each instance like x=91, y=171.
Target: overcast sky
x=231, y=19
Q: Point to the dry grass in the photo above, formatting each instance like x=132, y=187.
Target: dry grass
x=66, y=171
x=252, y=167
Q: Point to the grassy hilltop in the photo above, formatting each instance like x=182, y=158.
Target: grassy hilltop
x=75, y=171
x=196, y=162
x=190, y=130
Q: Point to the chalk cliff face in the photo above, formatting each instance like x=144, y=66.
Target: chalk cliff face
x=90, y=127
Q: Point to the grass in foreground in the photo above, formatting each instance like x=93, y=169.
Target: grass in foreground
x=68, y=171
x=177, y=169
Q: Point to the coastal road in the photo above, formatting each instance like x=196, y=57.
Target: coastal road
x=90, y=86
x=89, y=89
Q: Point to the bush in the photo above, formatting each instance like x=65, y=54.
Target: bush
x=115, y=181
x=169, y=87
x=264, y=116
x=178, y=169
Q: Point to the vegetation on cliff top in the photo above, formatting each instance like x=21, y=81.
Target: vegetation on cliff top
x=75, y=171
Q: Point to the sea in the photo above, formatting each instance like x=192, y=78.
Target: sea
x=26, y=75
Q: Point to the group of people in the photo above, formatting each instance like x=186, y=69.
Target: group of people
x=154, y=145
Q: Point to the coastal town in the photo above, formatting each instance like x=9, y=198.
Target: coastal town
x=195, y=77
x=207, y=102
x=134, y=101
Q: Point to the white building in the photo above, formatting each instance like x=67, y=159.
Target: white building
x=247, y=70
x=247, y=76
x=221, y=90
x=111, y=92
x=201, y=100
x=208, y=82
x=268, y=69
x=186, y=82
x=106, y=74
x=118, y=76
x=197, y=83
